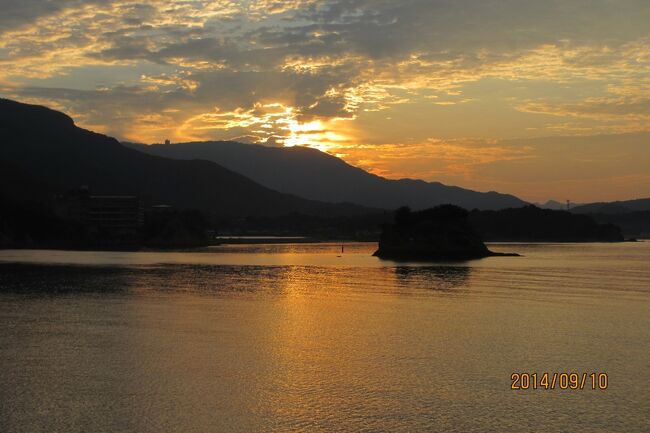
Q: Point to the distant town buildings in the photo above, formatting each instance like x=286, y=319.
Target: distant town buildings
x=111, y=216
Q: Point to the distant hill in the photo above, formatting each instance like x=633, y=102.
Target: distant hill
x=556, y=205
x=532, y=224
x=615, y=207
x=552, y=204
x=633, y=216
x=316, y=175
x=46, y=152
x=633, y=224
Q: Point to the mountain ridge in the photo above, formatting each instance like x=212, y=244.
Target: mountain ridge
x=614, y=207
x=316, y=175
x=46, y=146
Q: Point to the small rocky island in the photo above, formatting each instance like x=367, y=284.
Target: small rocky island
x=439, y=233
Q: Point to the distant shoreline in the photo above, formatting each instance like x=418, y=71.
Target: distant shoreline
x=275, y=240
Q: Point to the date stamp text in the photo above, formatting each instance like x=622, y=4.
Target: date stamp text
x=563, y=381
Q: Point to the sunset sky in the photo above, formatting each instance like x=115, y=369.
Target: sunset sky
x=542, y=99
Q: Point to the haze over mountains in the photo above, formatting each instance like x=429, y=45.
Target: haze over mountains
x=552, y=204
x=44, y=151
x=316, y=175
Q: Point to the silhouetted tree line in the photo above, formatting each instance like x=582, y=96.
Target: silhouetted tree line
x=633, y=224
x=25, y=224
x=184, y=228
x=35, y=225
x=439, y=233
x=531, y=224
x=405, y=216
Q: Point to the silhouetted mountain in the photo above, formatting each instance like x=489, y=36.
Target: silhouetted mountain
x=44, y=147
x=615, y=207
x=316, y=175
x=18, y=186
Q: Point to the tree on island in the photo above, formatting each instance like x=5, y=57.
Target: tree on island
x=439, y=233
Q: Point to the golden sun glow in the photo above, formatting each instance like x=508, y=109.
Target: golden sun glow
x=316, y=134
x=264, y=122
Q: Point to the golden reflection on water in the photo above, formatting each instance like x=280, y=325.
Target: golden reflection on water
x=303, y=345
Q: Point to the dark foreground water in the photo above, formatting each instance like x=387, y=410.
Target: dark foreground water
x=295, y=338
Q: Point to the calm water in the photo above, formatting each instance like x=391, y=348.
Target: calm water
x=304, y=338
